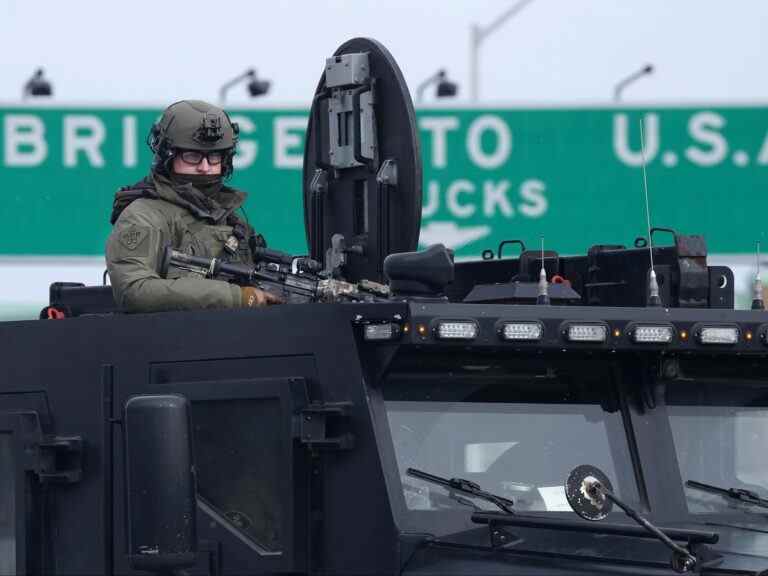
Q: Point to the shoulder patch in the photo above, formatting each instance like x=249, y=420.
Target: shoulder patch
x=133, y=236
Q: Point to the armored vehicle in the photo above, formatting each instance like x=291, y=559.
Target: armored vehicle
x=541, y=414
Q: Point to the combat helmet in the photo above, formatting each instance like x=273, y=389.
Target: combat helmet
x=192, y=125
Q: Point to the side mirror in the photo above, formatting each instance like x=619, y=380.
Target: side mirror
x=586, y=489
x=160, y=482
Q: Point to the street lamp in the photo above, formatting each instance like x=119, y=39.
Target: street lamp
x=37, y=85
x=619, y=88
x=256, y=87
x=479, y=33
x=445, y=88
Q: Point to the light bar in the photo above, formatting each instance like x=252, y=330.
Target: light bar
x=521, y=331
x=456, y=330
x=587, y=332
x=378, y=332
x=718, y=335
x=646, y=334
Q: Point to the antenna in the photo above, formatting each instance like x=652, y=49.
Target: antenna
x=543, y=296
x=757, y=286
x=653, y=286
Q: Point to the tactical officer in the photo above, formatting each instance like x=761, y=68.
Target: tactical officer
x=184, y=203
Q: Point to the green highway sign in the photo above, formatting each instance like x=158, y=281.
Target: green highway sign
x=571, y=175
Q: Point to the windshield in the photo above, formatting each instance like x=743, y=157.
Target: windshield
x=517, y=431
x=720, y=429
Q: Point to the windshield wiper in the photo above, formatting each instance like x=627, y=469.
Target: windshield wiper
x=746, y=496
x=464, y=487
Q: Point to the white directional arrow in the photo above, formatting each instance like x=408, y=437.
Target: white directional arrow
x=451, y=235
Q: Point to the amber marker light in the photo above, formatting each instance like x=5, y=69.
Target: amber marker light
x=421, y=329
x=683, y=334
x=616, y=333
x=406, y=328
x=748, y=335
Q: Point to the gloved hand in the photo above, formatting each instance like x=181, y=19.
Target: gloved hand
x=251, y=297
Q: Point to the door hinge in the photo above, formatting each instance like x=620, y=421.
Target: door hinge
x=321, y=426
x=59, y=460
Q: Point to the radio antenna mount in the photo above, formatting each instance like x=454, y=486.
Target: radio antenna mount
x=757, y=286
x=653, y=286
x=543, y=295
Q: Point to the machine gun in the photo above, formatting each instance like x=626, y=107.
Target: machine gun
x=294, y=279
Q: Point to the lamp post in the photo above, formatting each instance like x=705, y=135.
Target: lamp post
x=37, y=86
x=256, y=87
x=445, y=87
x=479, y=33
x=619, y=88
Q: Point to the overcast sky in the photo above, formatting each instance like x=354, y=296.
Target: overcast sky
x=553, y=51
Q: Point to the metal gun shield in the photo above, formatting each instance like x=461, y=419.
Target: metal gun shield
x=362, y=162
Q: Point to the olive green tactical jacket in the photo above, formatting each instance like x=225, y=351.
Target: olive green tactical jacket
x=155, y=213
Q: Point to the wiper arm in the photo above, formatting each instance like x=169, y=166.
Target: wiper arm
x=464, y=487
x=739, y=494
